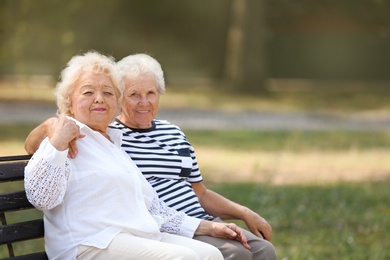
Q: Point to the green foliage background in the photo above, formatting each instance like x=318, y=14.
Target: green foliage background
x=347, y=39
x=317, y=39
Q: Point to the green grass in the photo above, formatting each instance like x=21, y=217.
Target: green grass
x=329, y=221
x=15, y=132
x=294, y=141
x=335, y=96
x=343, y=221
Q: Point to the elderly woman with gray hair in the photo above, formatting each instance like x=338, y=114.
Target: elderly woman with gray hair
x=98, y=205
x=167, y=160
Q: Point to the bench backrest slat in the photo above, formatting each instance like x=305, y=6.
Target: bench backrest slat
x=14, y=201
x=21, y=231
x=34, y=256
x=11, y=158
x=12, y=169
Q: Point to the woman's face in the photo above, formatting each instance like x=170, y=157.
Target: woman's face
x=140, y=101
x=94, y=100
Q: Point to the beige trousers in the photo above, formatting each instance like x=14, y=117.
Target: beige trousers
x=126, y=246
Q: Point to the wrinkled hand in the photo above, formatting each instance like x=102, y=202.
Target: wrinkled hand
x=73, y=150
x=49, y=126
x=63, y=133
x=229, y=230
x=258, y=226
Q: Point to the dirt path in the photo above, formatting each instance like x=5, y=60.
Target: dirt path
x=36, y=112
x=272, y=167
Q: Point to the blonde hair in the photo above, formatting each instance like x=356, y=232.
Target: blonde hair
x=91, y=61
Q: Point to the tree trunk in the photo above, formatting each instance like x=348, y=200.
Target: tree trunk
x=246, y=56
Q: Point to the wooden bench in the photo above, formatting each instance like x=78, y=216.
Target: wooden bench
x=14, y=202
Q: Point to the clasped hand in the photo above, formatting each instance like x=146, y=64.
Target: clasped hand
x=63, y=134
x=222, y=230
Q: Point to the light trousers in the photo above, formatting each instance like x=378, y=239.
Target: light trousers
x=127, y=246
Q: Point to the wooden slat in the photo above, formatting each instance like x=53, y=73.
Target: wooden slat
x=12, y=167
x=12, y=171
x=34, y=256
x=21, y=231
x=15, y=158
x=14, y=201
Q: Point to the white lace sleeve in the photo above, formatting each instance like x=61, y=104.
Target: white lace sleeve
x=46, y=175
x=172, y=221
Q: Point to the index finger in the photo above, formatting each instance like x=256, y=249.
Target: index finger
x=73, y=150
x=266, y=233
x=241, y=237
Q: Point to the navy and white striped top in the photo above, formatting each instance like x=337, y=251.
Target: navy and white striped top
x=168, y=162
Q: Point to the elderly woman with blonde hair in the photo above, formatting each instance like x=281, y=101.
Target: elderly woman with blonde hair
x=98, y=205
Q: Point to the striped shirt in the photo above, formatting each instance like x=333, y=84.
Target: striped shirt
x=168, y=162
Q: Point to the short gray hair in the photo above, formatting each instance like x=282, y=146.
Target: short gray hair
x=138, y=64
x=91, y=61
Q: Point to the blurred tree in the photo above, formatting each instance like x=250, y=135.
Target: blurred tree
x=246, y=57
x=188, y=37
x=333, y=39
x=241, y=41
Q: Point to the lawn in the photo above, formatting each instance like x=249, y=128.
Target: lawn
x=324, y=193
x=328, y=221
x=314, y=213
x=337, y=221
